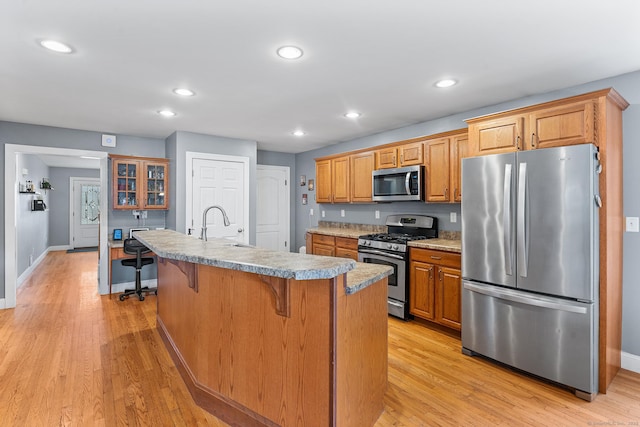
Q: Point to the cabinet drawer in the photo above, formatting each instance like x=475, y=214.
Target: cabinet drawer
x=448, y=259
x=323, y=239
x=347, y=253
x=347, y=243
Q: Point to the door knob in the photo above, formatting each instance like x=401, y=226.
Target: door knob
x=240, y=230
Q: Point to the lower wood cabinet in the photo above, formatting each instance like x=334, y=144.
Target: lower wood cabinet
x=342, y=247
x=435, y=286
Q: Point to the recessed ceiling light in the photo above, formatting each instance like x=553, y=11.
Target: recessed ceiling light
x=445, y=83
x=352, y=115
x=183, y=92
x=56, y=46
x=289, y=52
x=166, y=113
x=299, y=133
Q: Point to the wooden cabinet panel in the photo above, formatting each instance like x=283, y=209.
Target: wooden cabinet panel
x=140, y=182
x=346, y=253
x=437, y=176
x=323, y=239
x=386, y=158
x=362, y=165
x=340, y=180
x=449, y=294
x=323, y=250
x=347, y=243
x=435, y=286
x=342, y=247
x=564, y=125
x=459, y=148
x=323, y=181
x=421, y=302
x=411, y=154
x=500, y=135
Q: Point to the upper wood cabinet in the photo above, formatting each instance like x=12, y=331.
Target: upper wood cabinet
x=139, y=182
x=563, y=125
x=333, y=180
x=443, y=158
x=559, y=123
x=362, y=165
x=399, y=156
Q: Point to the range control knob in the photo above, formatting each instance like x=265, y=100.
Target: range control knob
x=395, y=247
x=389, y=245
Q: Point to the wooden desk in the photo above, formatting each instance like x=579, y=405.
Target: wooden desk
x=116, y=252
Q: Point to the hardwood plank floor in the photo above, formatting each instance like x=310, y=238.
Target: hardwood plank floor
x=69, y=356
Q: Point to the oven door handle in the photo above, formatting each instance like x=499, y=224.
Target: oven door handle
x=381, y=253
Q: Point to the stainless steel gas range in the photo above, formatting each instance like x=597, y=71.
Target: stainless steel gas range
x=391, y=249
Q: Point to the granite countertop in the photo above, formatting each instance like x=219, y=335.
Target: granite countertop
x=223, y=253
x=448, y=245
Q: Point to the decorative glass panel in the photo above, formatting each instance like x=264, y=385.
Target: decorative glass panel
x=90, y=204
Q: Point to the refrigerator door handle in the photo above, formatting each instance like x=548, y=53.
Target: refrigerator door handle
x=506, y=220
x=533, y=301
x=523, y=256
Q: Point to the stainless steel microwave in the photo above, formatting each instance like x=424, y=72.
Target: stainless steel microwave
x=398, y=184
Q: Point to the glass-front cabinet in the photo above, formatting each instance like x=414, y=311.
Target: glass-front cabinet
x=140, y=182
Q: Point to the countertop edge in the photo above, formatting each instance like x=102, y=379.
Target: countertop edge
x=364, y=275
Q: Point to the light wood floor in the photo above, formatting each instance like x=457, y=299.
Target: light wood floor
x=71, y=357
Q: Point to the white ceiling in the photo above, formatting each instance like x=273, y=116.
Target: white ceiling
x=378, y=57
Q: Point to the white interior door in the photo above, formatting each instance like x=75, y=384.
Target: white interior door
x=85, y=209
x=222, y=183
x=273, y=207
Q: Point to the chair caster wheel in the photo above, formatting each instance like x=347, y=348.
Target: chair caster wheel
x=141, y=298
x=121, y=297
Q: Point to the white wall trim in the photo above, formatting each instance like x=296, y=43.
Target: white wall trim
x=10, y=196
x=2, y=303
x=631, y=362
x=190, y=155
x=25, y=275
x=59, y=248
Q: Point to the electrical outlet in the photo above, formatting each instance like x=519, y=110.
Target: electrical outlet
x=311, y=211
x=453, y=217
x=342, y=213
x=322, y=214
x=377, y=214
x=632, y=224
x=136, y=214
x=144, y=214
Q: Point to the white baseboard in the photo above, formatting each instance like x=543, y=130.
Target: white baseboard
x=630, y=362
x=60, y=248
x=3, y=304
x=117, y=288
x=32, y=267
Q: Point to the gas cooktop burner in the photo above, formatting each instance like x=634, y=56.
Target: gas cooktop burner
x=393, y=237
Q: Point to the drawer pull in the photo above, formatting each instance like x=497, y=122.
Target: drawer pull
x=436, y=257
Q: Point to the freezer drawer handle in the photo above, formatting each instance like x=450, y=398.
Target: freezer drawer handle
x=506, y=220
x=524, y=300
x=395, y=304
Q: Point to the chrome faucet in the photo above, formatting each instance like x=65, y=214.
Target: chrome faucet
x=203, y=233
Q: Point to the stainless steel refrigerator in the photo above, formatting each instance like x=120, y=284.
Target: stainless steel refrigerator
x=530, y=262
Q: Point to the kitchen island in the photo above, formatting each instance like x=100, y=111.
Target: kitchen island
x=264, y=338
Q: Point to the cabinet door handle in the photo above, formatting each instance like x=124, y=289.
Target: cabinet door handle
x=446, y=193
x=430, y=273
x=518, y=142
x=455, y=193
x=533, y=137
x=441, y=275
x=393, y=159
x=401, y=158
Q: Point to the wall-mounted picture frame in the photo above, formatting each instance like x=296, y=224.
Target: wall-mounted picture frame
x=304, y=199
x=311, y=184
x=303, y=180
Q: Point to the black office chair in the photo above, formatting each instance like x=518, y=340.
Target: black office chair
x=134, y=247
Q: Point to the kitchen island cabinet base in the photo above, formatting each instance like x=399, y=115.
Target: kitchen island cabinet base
x=324, y=362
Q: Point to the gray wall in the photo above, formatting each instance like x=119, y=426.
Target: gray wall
x=628, y=85
x=179, y=143
x=273, y=158
x=32, y=227
x=58, y=203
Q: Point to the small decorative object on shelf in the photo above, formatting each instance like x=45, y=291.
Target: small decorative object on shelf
x=45, y=184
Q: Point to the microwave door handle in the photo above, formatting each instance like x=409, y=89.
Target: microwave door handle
x=407, y=183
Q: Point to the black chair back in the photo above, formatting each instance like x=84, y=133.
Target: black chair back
x=134, y=247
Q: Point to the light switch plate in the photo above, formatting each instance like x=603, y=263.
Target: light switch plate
x=311, y=211
x=322, y=214
x=632, y=224
x=342, y=213
x=377, y=214
x=453, y=217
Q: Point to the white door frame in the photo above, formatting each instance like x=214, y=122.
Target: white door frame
x=287, y=171
x=190, y=155
x=72, y=181
x=10, y=196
